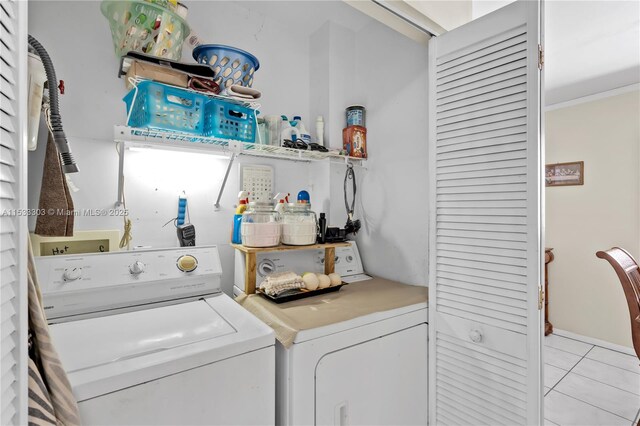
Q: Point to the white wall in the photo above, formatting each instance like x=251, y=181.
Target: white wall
x=390, y=79
x=79, y=42
x=585, y=296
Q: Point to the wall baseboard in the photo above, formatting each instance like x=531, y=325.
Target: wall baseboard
x=593, y=341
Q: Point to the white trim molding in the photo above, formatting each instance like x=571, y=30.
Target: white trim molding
x=594, y=97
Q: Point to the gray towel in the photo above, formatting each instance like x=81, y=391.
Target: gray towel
x=55, y=198
x=51, y=401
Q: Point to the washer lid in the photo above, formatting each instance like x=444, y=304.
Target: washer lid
x=93, y=342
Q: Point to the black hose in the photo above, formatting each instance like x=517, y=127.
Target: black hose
x=60, y=139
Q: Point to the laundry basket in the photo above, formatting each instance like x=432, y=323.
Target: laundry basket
x=145, y=27
x=230, y=65
x=227, y=120
x=158, y=106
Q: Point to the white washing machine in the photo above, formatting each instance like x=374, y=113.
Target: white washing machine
x=369, y=370
x=147, y=337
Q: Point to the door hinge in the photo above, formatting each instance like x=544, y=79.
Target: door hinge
x=540, y=57
x=540, y=297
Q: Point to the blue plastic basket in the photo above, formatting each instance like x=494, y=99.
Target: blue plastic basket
x=158, y=106
x=227, y=120
x=230, y=65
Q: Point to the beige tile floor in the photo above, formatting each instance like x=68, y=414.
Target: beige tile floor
x=589, y=385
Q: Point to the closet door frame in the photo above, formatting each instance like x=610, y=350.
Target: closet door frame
x=13, y=207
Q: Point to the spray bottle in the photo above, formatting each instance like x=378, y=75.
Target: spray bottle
x=243, y=202
x=282, y=199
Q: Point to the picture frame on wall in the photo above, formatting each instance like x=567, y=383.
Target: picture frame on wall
x=565, y=174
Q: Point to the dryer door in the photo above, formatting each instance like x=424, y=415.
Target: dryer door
x=382, y=381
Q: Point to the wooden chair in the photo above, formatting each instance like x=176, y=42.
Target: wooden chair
x=629, y=274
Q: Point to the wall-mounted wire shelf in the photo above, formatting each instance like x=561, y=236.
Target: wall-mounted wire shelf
x=128, y=137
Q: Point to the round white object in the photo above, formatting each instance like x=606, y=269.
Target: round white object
x=311, y=281
x=325, y=281
x=336, y=279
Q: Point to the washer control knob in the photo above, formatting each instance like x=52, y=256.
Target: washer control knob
x=136, y=268
x=475, y=336
x=72, y=274
x=266, y=267
x=187, y=263
x=349, y=258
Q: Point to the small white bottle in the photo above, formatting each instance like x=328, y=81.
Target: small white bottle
x=320, y=130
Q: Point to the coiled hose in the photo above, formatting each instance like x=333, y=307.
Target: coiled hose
x=60, y=139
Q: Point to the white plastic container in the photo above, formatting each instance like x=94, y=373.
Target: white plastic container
x=320, y=130
x=273, y=129
x=287, y=131
x=37, y=78
x=304, y=134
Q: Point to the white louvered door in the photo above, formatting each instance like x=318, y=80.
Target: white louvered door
x=485, y=149
x=13, y=225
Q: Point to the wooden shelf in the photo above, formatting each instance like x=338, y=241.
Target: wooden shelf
x=250, y=259
x=283, y=247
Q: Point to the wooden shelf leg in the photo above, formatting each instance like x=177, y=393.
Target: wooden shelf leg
x=250, y=273
x=329, y=260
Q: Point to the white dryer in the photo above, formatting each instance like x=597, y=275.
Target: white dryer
x=371, y=370
x=359, y=356
x=147, y=337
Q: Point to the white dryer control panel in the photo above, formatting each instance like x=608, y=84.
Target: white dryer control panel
x=89, y=283
x=347, y=263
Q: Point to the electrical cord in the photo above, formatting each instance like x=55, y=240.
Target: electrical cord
x=352, y=226
x=349, y=175
x=125, y=241
x=127, y=236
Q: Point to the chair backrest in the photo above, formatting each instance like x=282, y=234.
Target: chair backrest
x=629, y=274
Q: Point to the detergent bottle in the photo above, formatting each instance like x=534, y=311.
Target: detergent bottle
x=288, y=131
x=243, y=202
x=304, y=134
x=282, y=199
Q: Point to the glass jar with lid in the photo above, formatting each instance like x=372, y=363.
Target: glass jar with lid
x=260, y=225
x=299, y=225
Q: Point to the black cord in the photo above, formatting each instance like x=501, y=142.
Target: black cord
x=350, y=175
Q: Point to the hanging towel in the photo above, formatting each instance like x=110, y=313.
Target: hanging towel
x=242, y=93
x=55, y=198
x=51, y=401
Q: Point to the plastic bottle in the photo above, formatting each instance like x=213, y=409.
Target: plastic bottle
x=303, y=197
x=288, y=132
x=320, y=130
x=243, y=201
x=322, y=229
x=282, y=199
x=304, y=134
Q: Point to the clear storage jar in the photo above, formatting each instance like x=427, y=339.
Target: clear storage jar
x=260, y=225
x=299, y=225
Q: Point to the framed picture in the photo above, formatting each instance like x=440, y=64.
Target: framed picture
x=565, y=174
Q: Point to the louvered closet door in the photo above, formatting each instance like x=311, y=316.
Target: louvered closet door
x=486, y=221
x=13, y=228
